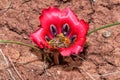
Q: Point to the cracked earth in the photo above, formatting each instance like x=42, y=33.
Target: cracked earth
x=99, y=61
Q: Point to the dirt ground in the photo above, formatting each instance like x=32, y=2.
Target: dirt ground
x=100, y=61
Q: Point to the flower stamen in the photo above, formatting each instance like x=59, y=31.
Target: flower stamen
x=60, y=41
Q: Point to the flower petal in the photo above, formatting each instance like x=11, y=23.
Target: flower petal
x=39, y=38
x=50, y=16
x=53, y=16
x=76, y=26
x=76, y=49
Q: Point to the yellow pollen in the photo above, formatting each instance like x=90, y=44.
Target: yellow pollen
x=60, y=41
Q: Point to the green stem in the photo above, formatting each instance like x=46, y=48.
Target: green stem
x=106, y=26
x=19, y=43
x=23, y=44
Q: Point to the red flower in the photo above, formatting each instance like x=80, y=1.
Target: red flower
x=61, y=30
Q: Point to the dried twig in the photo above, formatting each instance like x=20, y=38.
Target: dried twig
x=7, y=60
x=88, y=74
x=108, y=74
x=15, y=69
x=103, y=75
x=7, y=63
x=83, y=69
x=45, y=67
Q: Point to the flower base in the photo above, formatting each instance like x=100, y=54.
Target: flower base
x=52, y=56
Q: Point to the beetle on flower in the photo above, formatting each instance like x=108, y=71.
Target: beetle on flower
x=61, y=30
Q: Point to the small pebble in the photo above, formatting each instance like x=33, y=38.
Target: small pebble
x=59, y=72
x=32, y=70
x=94, y=0
x=25, y=37
x=107, y=34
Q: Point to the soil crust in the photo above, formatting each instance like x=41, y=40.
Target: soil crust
x=100, y=61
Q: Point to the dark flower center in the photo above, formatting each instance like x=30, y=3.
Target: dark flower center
x=60, y=40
